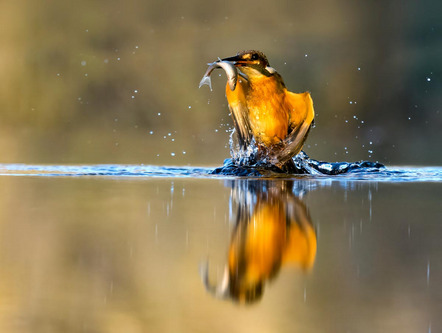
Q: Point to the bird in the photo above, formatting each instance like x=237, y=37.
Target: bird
x=264, y=112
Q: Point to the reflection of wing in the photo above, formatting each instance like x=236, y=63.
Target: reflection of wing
x=240, y=113
x=301, y=242
x=301, y=118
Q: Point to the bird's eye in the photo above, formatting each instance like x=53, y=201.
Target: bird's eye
x=254, y=56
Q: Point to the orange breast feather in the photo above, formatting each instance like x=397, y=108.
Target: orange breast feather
x=264, y=102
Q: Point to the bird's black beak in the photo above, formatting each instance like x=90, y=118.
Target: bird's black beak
x=235, y=59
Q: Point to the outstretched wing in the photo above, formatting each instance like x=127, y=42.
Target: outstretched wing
x=239, y=112
x=301, y=119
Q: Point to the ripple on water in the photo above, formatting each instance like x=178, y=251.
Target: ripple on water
x=387, y=174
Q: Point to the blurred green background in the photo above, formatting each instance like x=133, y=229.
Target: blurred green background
x=117, y=81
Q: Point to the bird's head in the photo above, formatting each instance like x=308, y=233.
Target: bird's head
x=251, y=63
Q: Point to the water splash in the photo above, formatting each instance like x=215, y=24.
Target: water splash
x=242, y=156
x=302, y=165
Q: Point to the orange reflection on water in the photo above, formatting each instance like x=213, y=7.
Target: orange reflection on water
x=272, y=228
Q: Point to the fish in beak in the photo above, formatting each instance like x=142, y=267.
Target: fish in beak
x=229, y=68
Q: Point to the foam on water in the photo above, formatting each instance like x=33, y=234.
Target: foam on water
x=388, y=174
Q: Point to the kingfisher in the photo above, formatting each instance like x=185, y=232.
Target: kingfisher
x=264, y=112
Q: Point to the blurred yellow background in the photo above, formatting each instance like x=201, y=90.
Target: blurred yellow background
x=117, y=81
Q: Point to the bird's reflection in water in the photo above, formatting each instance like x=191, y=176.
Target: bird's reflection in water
x=272, y=228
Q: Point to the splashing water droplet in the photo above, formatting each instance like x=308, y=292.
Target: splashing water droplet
x=428, y=272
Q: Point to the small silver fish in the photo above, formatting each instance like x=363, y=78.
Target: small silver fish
x=229, y=68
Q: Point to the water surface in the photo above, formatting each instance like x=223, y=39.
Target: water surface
x=116, y=248
x=390, y=174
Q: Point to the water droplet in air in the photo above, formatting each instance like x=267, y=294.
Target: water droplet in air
x=428, y=272
x=172, y=154
x=428, y=79
x=83, y=63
